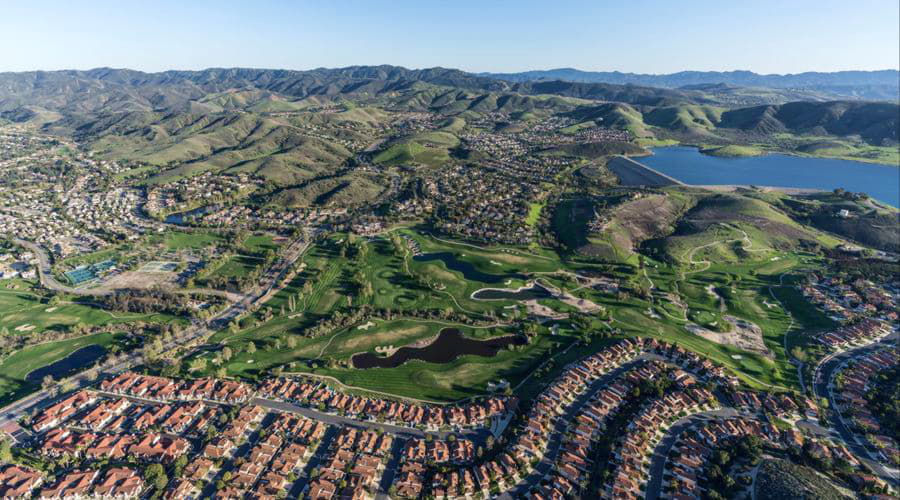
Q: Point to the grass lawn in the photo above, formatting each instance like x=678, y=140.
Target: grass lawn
x=177, y=240
x=259, y=244
x=109, y=253
x=237, y=266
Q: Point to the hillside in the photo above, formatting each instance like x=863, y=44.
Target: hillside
x=727, y=228
x=874, y=122
x=324, y=135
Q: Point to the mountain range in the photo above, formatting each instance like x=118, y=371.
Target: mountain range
x=875, y=85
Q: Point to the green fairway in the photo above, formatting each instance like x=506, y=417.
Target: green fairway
x=463, y=377
x=22, y=312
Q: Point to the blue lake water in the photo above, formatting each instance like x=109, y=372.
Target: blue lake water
x=688, y=165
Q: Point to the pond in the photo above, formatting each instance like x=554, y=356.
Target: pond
x=530, y=293
x=688, y=165
x=182, y=217
x=449, y=345
x=469, y=271
x=72, y=363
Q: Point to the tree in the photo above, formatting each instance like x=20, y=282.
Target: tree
x=155, y=475
x=251, y=347
x=5, y=450
x=226, y=353
x=180, y=464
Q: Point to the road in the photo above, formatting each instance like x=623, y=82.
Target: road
x=268, y=285
x=476, y=435
x=632, y=173
x=46, y=274
x=823, y=385
x=661, y=452
x=559, y=430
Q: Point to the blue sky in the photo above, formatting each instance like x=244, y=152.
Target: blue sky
x=784, y=36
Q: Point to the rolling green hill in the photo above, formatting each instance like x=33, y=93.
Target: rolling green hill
x=302, y=132
x=731, y=227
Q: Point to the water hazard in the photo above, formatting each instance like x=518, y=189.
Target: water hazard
x=469, y=271
x=72, y=363
x=449, y=345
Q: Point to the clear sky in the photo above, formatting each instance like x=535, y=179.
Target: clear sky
x=765, y=36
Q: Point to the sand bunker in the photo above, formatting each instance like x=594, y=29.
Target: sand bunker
x=387, y=350
x=50, y=309
x=25, y=328
x=743, y=335
x=368, y=325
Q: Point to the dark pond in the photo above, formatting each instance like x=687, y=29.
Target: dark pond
x=534, y=292
x=181, y=217
x=690, y=166
x=70, y=364
x=449, y=345
x=469, y=271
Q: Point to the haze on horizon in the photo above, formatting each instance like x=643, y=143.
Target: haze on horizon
x=651, y=37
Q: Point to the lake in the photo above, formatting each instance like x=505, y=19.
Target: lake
x=70, y=364
x=688, y=165
x=449, y=345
